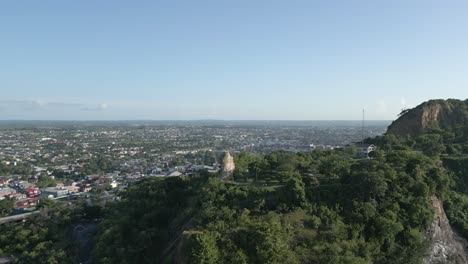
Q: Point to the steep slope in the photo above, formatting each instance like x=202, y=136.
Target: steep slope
x=446, y=246
x=443, y=114
x=448, y=120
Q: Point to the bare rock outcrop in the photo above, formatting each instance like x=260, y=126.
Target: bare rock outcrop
x=227, y=166
x=444, y=114
x=446, y=246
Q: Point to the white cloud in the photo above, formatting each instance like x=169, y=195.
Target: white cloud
x=40, y=105
x=100, y=107
x=27, y=105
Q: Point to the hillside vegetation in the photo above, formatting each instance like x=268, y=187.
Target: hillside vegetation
x=348, y=211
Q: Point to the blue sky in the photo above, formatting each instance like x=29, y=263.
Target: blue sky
x=242, y=59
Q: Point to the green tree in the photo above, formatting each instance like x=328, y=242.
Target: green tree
x=204, y=249
x=271, y=241
x=295, y=192
x=6, y=206
x=334, y=166
x=430, y=144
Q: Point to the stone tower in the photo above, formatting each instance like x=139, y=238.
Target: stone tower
x=227, y=166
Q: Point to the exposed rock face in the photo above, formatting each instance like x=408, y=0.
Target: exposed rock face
x=446, y=246
x=445, y=114
x=227, y=166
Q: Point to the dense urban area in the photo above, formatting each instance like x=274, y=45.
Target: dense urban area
x=67, y=159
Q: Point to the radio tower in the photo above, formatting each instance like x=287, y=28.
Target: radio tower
x=362, y=125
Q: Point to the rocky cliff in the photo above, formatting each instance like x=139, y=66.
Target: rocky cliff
x=446, y=246
x=444, y=114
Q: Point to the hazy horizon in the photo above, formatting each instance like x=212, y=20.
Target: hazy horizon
x=195, y=120
x=234, y=123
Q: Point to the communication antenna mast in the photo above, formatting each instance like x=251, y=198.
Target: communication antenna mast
x=362, y=125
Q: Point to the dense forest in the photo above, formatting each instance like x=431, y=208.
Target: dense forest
x=325, y=206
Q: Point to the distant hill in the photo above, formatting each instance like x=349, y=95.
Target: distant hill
x=451, y=114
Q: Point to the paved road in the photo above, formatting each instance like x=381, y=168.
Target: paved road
x=16, y=218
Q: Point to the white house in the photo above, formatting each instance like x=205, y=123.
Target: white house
x=363, y=150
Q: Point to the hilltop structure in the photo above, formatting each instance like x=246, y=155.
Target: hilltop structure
x=227, y=166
